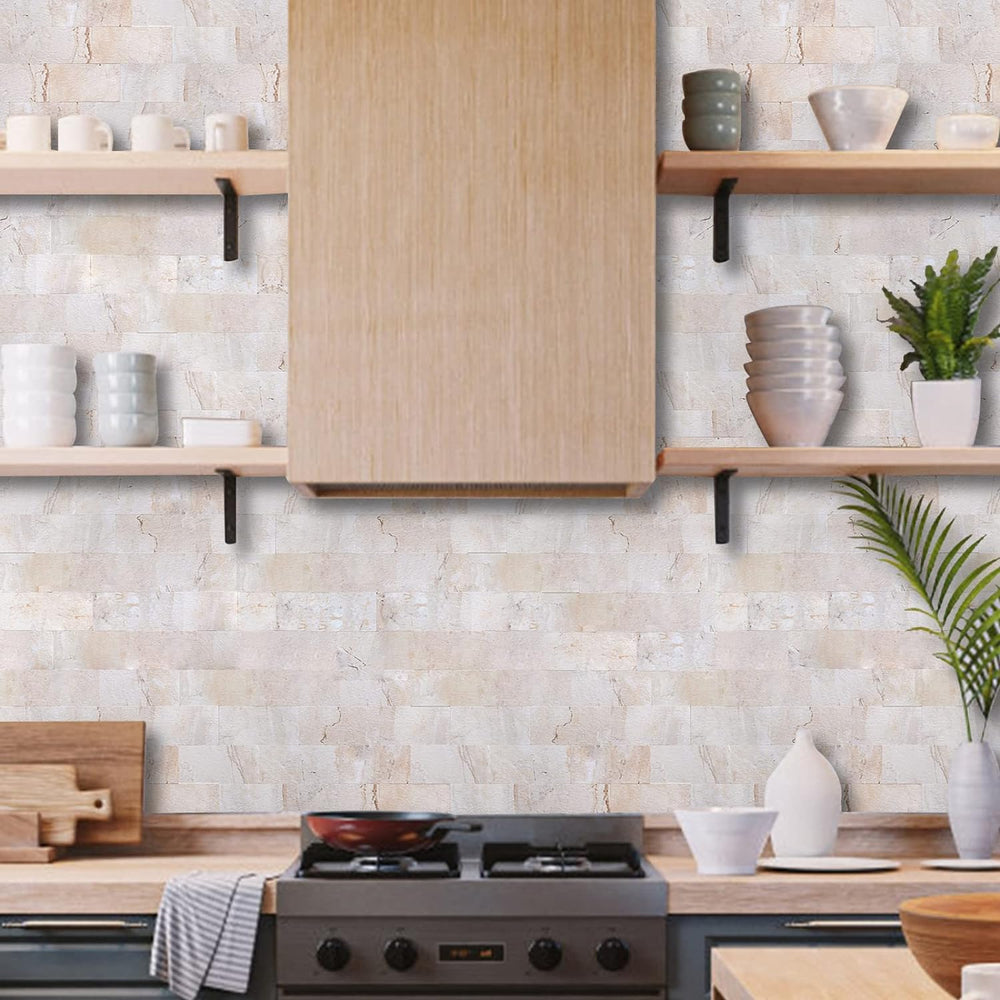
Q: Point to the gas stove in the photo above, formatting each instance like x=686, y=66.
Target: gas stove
x=527, y=906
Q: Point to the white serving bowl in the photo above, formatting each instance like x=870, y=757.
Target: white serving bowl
x=125, y=382
x=16, y=378
x=127, y=402
x=38, y=432
x=785, y=349
x=859, y=117
x=792, y=331
x=128, y=430
x=762, y=383
x=39, y=404
x=795, y=418
x=726, y=841
x=794, y=366
x=38, y=356
x=124, y=361
x=808, y=315
x=967, y=131
x=220, y=431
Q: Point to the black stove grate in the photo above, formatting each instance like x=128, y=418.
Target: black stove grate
x=322, y=861
x=597, y=860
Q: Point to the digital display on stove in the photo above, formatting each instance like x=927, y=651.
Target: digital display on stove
x=470, y=953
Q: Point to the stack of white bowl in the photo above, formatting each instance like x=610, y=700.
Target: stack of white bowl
x=39, y=408
x=127, y=411
x=794, y=374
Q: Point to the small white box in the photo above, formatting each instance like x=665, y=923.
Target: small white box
x=200, y=432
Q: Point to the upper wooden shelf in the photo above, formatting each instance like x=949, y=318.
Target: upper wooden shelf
x=829, y=462
x=157, y=461
x=890, y=171
x=253, y=172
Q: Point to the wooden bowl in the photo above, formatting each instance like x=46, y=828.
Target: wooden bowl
x=946, y=932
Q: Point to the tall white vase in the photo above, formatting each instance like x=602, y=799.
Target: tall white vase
x=805, y=790
x=974, y=799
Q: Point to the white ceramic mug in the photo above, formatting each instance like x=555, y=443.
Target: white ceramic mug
x=225, y=132
x=967, y=131
x=981, y=981
x=157, y=133
x=27, y=134
x=84, y=134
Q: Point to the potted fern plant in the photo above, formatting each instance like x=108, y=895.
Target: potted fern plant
x=959, y=605
x=940, y=328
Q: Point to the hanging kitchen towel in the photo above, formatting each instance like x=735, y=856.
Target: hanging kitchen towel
x=205, y=932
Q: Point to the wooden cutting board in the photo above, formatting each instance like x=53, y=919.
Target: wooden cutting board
x=106, y=755
x=51, y=791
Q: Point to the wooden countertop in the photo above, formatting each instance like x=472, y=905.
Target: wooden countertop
x=127, y=884
x=781, y=892
x=820, y=974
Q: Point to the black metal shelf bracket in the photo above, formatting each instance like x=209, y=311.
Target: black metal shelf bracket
x=230, y=219
x=722, y=505
x=720, y=225
x=229, y=503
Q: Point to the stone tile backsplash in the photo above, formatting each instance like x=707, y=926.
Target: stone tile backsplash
x=463, y=655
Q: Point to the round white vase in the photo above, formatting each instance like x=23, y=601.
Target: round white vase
x=947, y=412
x=805, y=791
x=974, y=799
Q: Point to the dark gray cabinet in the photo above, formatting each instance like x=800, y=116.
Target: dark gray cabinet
x=690, y=940
x=99, y=957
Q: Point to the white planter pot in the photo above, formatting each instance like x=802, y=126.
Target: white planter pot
x=805, y=791
x=947, y=412
x=974, y=799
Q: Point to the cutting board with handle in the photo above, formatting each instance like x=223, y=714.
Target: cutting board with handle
x=51, y=791
x=107, y=755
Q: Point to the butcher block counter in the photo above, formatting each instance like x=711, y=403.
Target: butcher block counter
x=819, y=974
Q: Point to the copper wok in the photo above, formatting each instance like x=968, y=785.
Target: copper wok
x=385, y=832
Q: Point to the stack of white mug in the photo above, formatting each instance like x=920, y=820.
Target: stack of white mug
x=127, y=412
x=39, y=405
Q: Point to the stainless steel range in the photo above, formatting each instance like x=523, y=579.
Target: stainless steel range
x=527, y=906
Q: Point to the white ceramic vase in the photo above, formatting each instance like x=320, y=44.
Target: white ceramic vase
x=974, y=799
x=805, y=791
x=947, y=412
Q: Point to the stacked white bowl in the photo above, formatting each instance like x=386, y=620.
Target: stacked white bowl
x=39, y=408
x=127, y=411
x=794, y=374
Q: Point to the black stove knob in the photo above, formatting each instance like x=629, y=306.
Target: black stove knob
x=545, y=954
x=400, y=954
x=612, y=954
x=333, y=954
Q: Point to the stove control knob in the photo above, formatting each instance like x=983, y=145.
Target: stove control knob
x=333, y=954
x=400, y=954
x=612, y=954
x=545, y=954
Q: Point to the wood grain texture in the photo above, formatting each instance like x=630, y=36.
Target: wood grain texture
x=814, y=973
x=471, y=228
x=891, y=171
x=87, y=461
x=19, y=828
x=105, y=754
x=253, y=172
x=52, y=790
x=39, y=854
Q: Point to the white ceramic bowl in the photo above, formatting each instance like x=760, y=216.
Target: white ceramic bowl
x=762, y=383
x=220, y=431
x=38, y=356
x=125, y=382
x=39, y=404
x=38, y=432
x=18, y=379
x=967, y=131
x=124, y=361
x=782, y=349
x=792, y=331
x=794, y=366
x=795, y=418
x=127, y=402
x=128, y=430
x=808, y=315
x=858, y=118
x=726, y=841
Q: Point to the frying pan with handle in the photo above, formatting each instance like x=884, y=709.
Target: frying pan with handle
x=385, y=832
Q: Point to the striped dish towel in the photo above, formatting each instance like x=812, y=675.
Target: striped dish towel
x=205, y=932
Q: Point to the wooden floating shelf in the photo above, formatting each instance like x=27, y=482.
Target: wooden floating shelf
x=828, y=462
x=890, y=171
x=252, y=172
x=84, y=461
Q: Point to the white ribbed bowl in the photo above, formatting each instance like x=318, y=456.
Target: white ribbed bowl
x=806, y=315
x=39, y=404
x=124, y=361
x=795, y=418
x=128, y=430
x=16, y=378
x=38, y=432
x=38, y=356
x=794, y=366
x=127, y=402
x=762, y=383
x=109, y=382
x=791, y=331
x=784, y=349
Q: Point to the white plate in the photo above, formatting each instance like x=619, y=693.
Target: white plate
x=963, y=864
x=828, y=864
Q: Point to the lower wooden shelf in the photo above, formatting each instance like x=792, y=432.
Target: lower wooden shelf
x=84, y=461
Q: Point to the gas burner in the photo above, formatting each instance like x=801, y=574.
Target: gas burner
x=321, y=861
x=561, y=863
x=599, y=860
